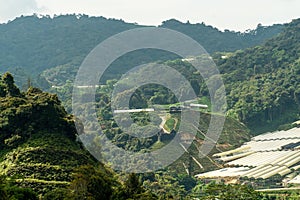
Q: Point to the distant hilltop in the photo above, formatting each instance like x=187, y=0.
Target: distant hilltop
x=36, y=43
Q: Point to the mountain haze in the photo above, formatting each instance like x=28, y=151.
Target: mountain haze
x=35, y=44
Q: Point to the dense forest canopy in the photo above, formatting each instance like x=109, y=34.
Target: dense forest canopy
x=38, y=43
x=214, y=40
x=267, y=73
x=263, y=82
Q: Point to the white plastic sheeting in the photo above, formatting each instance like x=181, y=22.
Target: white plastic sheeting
x=260, y=158
x=269, y=145
x=265, y=154
x=295, y=180
x=225, y=172
x=292, y=133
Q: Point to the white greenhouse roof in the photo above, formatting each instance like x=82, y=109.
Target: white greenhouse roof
x=295, y=180
x=260, y=158
x=292, y=133
x=269, y=154
x=225, y=172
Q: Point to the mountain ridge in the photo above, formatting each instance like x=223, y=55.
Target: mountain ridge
x=269, y=77
x=35, y=43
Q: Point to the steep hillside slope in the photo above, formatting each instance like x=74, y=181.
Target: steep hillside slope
x=263, y=82
x=38, y=150
x=37, y=139
x=233, y=134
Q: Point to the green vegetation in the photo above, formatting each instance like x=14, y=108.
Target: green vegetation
x=263, y=82
x=37, y=140
x=233, y=135
x=170, y=124
x=224, y=192
x=40, y=155
x=214, y=40
x=10, y=192
x=31, y=45
x=283, y=194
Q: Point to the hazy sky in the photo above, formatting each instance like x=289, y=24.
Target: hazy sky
x=223, y=14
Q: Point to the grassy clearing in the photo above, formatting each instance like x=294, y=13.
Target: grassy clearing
x=157, y=145
x=170, y=124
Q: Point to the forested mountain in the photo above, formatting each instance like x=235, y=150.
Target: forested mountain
x=39, y=150
x=263, y=82
x=37, y=139
x=35, y=44
x=214, y=40
x=40, y=157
